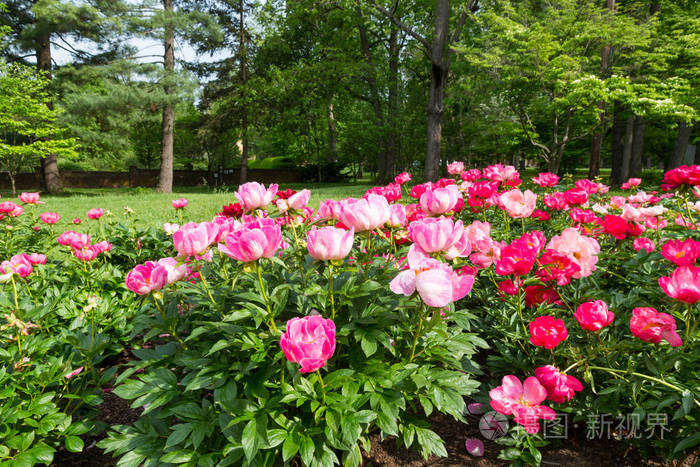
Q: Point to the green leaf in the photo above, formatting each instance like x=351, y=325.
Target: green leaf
x=179, y=433
x=42, y=453
x=688, y=442
x=178, y=457
x=306, y=450
x=74, y=444
x=289, y=447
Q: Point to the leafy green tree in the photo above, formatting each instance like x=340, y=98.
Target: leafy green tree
x=28, y=121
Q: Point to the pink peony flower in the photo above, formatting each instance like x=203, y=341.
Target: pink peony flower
x=86, y=253
x=643, y=243
x=560, y=387
x=329, y=209
x=173, y=270
x=439, y=200
x=36, y=258
x=548, y=332
x=369, y=213
x=471, y=175
x=683, y=284
x=501, y=173
x=556, y=201
x=144, y=278
x=253, y=195
x=18, y=264
x=179, y=203
x=329, y=243
x=556, y=266
x=652, y=326
x=593, y=316
x=437, y=283
x=681, y=252
x=309, y=341
x=65, y=237
x=397, y=216
x=523, y=401
x=194, y=239
x=576, y=197
x=7, y=207
x=30, y=198
x=103, y=246
x=517, y=204
x=77, y=221
x=73, y=373
x=631, y=183
x=78, y=240
x=95, y=213
x=455, y=168
x=546, y=179
x=49, y=218
x=170, y=228
x=257, y=239
x=580, y=249
x=433, y=235
x=295, y=202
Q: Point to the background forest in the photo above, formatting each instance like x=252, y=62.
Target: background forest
x=349, y=87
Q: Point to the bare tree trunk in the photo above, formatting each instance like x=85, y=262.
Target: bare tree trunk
x=597, y=139
x=49, y=164
x=637, y=147
x=165, y=179
x=332, y=135
x=618, y=145
x=392, y=117
x=12, y=183
x=243, y=57
x=680, y=146
x=627, y=151
x=438, y=79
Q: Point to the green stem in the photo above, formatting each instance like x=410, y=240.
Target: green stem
x=170, y=327
x=206, y=287
x=330, y=289
x=323, y=387
x=418, y=332
x=688, y=316
x=14, y=289
x=271, y=322
x=520, y=309
x=640, y=375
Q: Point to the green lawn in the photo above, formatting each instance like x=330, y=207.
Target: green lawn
x=155, y=208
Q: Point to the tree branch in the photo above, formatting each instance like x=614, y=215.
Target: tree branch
x=402, y=25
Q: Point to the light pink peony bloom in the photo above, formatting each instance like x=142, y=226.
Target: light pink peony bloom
x=368, y=213
x=329, y=243
x=66, y=237
x=652, y=326
x=103, y=246
x=170, y=228
x=179, y=203
x=455, y=168
x=86, y=253
x=439, y=200
x=296, y=202
x=18, y=264
x=49, y=218
x=142, y=280
x=501, y=173
x=580, y=249
x=631, y=183
x=402, y=178
x=329, y=209
x=437, y=283
x=30, y=198
x=309, y=341
x=683, y=284
x=17, y=211
x=95, y=213
x=643, y=243
x=194, y=239
x=261, y=238
x=594, y=316
x=523, y=401
x=173, y=270
x=560, y=387
x=397, y=216
x=78, y=240
x=517, y=204
x=440, y=234
x=253, y=195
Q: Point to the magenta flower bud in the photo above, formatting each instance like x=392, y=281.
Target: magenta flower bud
x=593, y=316
x=75, y=372
x=547, y=331
x=560, y=387
x=253, y=195
x=309, y=341
x=77, y=221
x=329, y=243
x=475, y=447
x=193, y=239
x=254, y=240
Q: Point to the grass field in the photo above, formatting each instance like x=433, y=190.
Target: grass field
x=155, y=208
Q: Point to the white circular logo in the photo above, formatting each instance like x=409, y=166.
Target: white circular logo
x=493, y=425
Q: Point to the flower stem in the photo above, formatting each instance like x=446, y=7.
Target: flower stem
x=330, y=289
x=271, y=322
x=323, y=387
x=688, y=316
x=206, y=287
x=171, y=328
x=418, y=332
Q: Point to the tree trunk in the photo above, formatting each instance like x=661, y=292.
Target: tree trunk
x=12, y=183
x=627, y=151
x=438, y=79
x=637, y=147
x=597, y=139
x=165, y=179
x=244, y=79
x=49, y=164
x=332, y=135
x=392, y=117
x=680, y=146
x=618, y=145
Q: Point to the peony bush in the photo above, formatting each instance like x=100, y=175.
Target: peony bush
x=275, y=334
